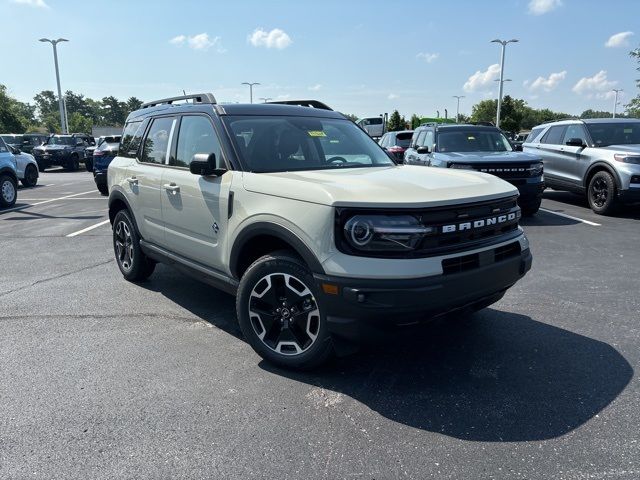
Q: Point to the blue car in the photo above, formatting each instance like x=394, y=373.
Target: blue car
x=8, y=177
x=102, y=156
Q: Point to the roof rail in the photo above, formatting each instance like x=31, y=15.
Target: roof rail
x=561, y=120
x=304, y=103
x=196, y=97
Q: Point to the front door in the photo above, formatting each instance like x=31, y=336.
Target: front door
x=195, y=207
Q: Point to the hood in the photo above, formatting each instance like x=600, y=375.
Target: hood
x=51, y=148
x=488, y=157
x=403, y=186
x=635, y=149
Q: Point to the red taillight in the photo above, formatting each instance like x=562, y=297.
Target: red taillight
x=396, y=149
x=98, y=153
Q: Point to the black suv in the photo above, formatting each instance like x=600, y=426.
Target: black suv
x=482, y=148
x=63, y=150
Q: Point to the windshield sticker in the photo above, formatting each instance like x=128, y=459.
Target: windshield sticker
x=471, y=137
x=628, y=130
x=316, y=133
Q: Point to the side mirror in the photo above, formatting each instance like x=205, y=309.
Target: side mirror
x=15, y=150
x=422, y=150
x=204, y=164
x=575, y=142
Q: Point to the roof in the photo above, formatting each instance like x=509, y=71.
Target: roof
x=401, y=131
x=610, y=120
x=466, y=126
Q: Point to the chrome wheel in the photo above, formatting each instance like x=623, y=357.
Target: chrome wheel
x=124, y=245
x=8, y=190
x=284, y=314
x=599, y=192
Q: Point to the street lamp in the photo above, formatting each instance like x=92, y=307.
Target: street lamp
x=265, y=99
x=504, y=44
x=458, y=97
x=251, y=84
x=63, y=117
x=615, y=102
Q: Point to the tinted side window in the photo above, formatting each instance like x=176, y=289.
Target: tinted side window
x=420, y=139
x=156, y=143
x=575, y=131
x=3, y=148
x=196, y=136
x=554, y=135
x=131, y=139
x=533, y=134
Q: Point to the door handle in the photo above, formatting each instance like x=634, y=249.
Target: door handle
x=132, y=181
x=171, y=187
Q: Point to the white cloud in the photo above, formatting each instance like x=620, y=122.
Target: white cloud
x=201, y=41
x=275, y=38
x=540, y=7
x=315, y=88
x=598, y=85
x=482, y=79
x=619, y=40
x=392, y=96
x=428, y=57
x=546, y=83
x=32, y=3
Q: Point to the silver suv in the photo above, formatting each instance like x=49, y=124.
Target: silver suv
x=302, y=216
x=598, y=157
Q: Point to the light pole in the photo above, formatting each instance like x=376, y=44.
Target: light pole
x=458, y=97
x=615, y=102
x=504, y=44
x=251, y=84
x=63, y=117
x=265, y=99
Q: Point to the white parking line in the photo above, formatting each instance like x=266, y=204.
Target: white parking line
x=14, y=209
x=88, y=228
x=39, y=199
x=572, y=218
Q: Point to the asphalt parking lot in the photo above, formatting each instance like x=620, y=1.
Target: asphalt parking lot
x=100, y=378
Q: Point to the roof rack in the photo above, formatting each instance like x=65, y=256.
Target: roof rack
x=304, y=103
x=207, y=98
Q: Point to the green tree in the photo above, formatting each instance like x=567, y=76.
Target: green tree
x=114, y=112
x=395, y=122
x=78, y=123
x=133, y=103
x=46, y=104
x=9, y=118
x=351, y=116
x=595, y=114
x=415, y=121
x=633, y=107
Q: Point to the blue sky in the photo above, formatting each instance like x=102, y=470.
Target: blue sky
x=361, y=57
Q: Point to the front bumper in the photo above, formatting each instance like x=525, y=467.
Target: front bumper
x=100, y=177
x=52, y=159
x=530, y=189
x=363, y=303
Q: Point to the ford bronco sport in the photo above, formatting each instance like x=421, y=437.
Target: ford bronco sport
x=302, y=216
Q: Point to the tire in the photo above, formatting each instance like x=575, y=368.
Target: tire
x=530, y=208
x=103, y=189
x=134, y=265
x=88, y=164
x=601, y=193
x=8, y=191
x=73, y=164
x=279, y=314
x=30, y=176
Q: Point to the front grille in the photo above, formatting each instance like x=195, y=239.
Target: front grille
x=454, y=228
x=519, y=170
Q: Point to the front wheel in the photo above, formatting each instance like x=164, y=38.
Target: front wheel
x=132, y=262
x=30, y=176
x=602, y=193
x=8, y=191
x=531, y=207
x=88, y=164
x=279, y=313
x=103, y=189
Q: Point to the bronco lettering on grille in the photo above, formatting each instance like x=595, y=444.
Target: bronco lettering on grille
x=484, y=222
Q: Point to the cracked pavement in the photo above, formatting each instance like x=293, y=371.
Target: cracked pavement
x=102, y=379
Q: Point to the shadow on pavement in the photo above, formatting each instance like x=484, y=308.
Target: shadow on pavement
x=631, y=211
x=496, y=377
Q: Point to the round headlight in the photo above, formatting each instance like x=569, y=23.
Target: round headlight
x=360, y=231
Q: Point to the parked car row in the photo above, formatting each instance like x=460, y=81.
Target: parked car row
x=15, y=166
x=66, y=151
x=599, y=158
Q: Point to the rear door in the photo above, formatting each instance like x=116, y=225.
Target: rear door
x=194, y=207
x=549, y=149
x=145, y=177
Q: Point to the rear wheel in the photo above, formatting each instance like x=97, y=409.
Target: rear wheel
x=531, y=207
x=601, y=193
x=132, y=262
x=8, y=191
x=73, y=164
x=88, y=164
x=103, y=189
x=279, y=313
x=30, y=176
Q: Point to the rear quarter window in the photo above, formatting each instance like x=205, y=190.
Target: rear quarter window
x=131, y=137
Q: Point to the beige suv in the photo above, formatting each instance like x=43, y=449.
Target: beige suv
x=303, y=217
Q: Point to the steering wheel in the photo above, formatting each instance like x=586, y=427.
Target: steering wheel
x=337, y=159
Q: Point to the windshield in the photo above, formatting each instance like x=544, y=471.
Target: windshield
x=12, y=139
x=623, y=133
x=278, y=144
x=60, y=141
x=472, y=141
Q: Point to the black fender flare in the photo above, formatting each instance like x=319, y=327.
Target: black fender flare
x=274, y=230
x=10, y=172
x=117, y=195
x=600, y=165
